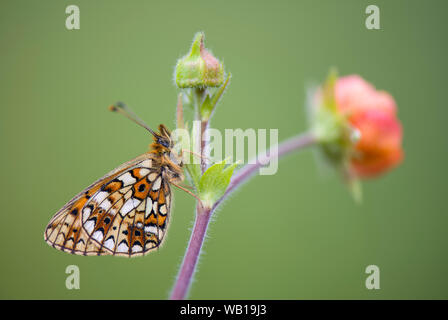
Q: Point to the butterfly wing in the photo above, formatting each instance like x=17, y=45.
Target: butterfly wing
x=124, y=213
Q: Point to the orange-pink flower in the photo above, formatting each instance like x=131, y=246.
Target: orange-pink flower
x=373, y=114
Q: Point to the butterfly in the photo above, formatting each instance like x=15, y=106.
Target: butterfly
x=126, y=212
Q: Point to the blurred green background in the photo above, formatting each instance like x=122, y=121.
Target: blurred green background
x=295, y=235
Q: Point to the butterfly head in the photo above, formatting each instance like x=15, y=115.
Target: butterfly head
x=164, y=146
x=164, y=137
x=163, y=143
x=162, y=140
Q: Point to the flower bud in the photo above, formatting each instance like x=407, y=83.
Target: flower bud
x=199, y=68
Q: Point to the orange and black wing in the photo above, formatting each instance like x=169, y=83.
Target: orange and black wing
x=124, y=213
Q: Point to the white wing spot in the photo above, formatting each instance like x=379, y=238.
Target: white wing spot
x=100, y=196
x=123, y=247
x=109, y=244
x=154, y=207
x=148, y=207
x=137, y=248
x=127, y=179
x=129, y=205
x=106, y=204
x=157, y=183
x=152, y=177
x=147, y=163
x=86, y=214
x=151, y=229
x=144, y=172
x=162, y=209
x=89, y=226
x=98, y=235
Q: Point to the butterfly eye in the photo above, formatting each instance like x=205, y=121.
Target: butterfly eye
x=164, y=143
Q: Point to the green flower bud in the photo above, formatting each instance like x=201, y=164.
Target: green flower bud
x=199, y=68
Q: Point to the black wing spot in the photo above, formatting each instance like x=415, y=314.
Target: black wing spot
x=138, y=243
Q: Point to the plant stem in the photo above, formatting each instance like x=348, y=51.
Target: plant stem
x=245, y=173
x=189, y=264
x=203, y=215
x=204, y=155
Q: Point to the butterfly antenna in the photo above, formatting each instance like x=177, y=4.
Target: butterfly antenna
x=122, y=108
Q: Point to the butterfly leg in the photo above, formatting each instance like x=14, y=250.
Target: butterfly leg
x=187, y=191
x=197, y=155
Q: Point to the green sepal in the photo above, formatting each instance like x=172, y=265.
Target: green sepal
x=214, y=182
x=210, y=102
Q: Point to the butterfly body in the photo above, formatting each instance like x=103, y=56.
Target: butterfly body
x=125, y=213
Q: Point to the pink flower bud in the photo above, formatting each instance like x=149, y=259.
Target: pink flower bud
x=373, y=114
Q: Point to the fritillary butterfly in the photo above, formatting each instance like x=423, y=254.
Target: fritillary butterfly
x=126, y=212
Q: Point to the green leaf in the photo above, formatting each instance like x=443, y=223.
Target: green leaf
x=214, y=182
x=207, y=108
